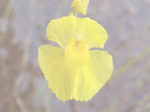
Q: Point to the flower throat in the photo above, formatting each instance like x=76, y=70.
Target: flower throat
x=77, y=52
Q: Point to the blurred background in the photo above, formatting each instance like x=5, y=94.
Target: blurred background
x=22, y=30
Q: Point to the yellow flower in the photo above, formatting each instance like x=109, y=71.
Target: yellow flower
x=73, y=71
x=80, y=6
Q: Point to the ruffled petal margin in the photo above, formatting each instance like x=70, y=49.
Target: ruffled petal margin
x=79, y=83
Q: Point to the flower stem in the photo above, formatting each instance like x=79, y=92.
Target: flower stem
x=72, y=106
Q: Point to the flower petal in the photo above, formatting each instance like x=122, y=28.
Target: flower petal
x=61, y=30
x=93, y=76
x=80, y=6
x=60, y=78
x=80, y=83
x=94, y=33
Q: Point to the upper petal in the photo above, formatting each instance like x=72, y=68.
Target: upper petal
x=61, y=30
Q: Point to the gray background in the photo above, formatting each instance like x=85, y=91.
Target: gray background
x=22, y=30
